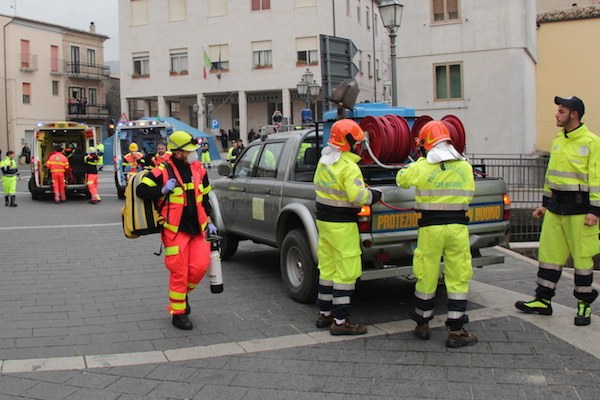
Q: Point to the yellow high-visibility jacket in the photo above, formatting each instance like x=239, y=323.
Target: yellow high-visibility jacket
x=448, y=189
x=341, y=186
x=574, y=168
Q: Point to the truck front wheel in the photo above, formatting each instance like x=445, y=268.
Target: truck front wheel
x=298, y=270
x=229, y=245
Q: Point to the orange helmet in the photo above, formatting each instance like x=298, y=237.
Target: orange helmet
x=433, y=133
x=340, y=130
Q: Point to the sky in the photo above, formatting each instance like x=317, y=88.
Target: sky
x=74, y=14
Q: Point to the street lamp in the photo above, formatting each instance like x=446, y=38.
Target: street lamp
x=309, y=88
x=391, y=15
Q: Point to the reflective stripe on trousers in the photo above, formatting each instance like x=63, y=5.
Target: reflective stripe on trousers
x=59, y=186
x=561, y=236
x=92, y=184
x=187, y=258
x=339, y=263
x=452, y=242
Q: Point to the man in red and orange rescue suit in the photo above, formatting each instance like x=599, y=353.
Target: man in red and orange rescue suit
x=58, y=164
x=134, y=160
x=161, y=155
x=92, y=161
x=340, y=192
x=184, y=205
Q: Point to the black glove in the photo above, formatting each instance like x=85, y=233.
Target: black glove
x=376, y=195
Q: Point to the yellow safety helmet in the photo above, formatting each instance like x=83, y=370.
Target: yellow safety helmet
x=91, y=150
x=133, y=147
x=182, y=140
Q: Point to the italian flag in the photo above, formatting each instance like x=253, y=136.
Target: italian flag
x=207, y=64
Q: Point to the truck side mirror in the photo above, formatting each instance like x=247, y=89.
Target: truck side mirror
x=224, y=169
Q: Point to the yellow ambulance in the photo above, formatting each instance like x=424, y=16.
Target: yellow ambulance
x=74, y=138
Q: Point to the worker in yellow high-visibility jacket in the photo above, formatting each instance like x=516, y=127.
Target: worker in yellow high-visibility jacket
x=444, y=185
x=340, y=193
x=571, y=207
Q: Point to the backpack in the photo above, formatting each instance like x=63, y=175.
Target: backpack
x=140, y=216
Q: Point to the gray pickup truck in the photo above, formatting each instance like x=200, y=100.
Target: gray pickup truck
x=268, y=197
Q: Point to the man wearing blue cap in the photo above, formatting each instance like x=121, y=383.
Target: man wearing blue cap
x=571, y=207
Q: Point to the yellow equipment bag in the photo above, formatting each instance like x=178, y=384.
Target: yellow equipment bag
x=139, y=216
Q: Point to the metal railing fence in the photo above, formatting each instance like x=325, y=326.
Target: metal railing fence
x=524, y=177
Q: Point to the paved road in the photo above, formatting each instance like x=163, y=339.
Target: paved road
x=83, y=316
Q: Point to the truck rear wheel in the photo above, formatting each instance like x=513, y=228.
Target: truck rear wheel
x=229, y=245
x=298, y=270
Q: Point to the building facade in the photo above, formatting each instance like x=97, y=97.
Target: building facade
x=569, y=55
x=237, y=62
x=40, y=73
x=474, y=59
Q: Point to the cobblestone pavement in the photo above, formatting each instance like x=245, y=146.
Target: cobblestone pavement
x=83, y=317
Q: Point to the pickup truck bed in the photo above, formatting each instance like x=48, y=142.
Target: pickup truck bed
x=268, y=197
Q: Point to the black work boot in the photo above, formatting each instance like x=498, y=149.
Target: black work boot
x=584, y=314
x=6, y=201
x=188, y=309
x=422, y=331
x=537, y=305
x=460, y=338
x=12, y=201
x=181, y=321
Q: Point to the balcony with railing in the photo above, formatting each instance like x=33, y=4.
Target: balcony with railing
x=87, y=111
x=29, y=62
x=86, y=71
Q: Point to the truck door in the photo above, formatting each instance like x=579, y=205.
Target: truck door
x=264, y=194
x=234, y=207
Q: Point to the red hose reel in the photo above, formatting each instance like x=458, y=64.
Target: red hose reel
x=392, y=141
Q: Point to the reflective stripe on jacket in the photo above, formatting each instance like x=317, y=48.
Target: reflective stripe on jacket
x=574, y=164
x=158, y=159
x=57, y=162
x=341, y=184
x=230, y=156
x=171, y=206
x=448, y=189
x=9, y=167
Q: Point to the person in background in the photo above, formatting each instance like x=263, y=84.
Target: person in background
x=224, y=139
x=570, y=207
x=161, y=155
x=58, y=164
x=444, y=187
x=232, y=152
x=92, y=160
x=340, y=192
x=205, y=153
x=69, y=178
x=26, y=152
x=100, y=152
x=181, y=188
x=10, y=175
x=134, y=160
x=252, y=135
